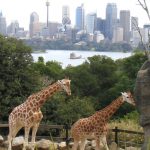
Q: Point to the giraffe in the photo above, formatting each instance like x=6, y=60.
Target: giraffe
x=29, y=115
x=95, y=126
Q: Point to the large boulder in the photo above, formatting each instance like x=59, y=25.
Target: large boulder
x=17, y=143
x=44, y=144
x=142, y=97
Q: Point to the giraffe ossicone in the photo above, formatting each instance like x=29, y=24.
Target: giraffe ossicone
x=29, y=115
x=95, y=126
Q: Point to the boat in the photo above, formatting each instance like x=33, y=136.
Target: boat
x=73, y=56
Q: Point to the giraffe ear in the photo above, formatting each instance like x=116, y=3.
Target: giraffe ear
x=123, y=93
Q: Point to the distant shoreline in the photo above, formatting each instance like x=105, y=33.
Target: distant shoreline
x=44, y=51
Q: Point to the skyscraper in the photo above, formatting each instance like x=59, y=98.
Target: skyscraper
x=80, y=17
x=34, y=27
x=125, y=24
x=65, y=11
x=135, y=36
x=111, y=19
x=134, y=23
x=13, y=28
x=101, y=25
x=3, y=28
x=91, y=22
x=66, y=15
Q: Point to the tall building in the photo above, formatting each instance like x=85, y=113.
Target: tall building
x=3, y=28
x=117, y=35
x=101, y=25
x=66, y=15
x=91, y=22
x=111, y=19
x=125, y=24
x=134, y=23
x=34, y=27
x=146, y=38
x=13, y=28
x=135, y=36
x=80, y=14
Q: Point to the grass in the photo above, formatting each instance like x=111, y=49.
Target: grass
x=128, y=139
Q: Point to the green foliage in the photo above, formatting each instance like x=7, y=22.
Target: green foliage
x=51, y=69
x=38, y=44
x=17, y=78
x=94, y=84
x=134, y=116
x=130, y=66
x=74, y=109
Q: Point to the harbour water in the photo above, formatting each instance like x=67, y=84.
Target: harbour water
x=63, y=56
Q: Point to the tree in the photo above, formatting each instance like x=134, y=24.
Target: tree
x=17, y=78
x=73, y=109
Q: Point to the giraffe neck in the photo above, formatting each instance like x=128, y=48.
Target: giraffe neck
x=38, y=99
x=112, y=108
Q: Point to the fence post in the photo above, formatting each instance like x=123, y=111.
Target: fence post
x=116, y=135
x=67, y=134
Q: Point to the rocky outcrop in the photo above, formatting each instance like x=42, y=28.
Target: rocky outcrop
x=44, y=144
x=142, y=97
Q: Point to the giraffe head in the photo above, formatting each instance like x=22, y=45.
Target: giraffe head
x=65, y=85
x=127, y=97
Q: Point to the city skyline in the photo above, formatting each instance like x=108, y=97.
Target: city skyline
x=21, y=10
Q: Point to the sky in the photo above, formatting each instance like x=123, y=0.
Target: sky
x=21, y=9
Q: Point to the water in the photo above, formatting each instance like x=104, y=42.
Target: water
x=63, y=56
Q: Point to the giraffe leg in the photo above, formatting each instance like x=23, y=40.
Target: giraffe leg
x=10, y=138
x=104, y=141
x=75, y=145
x=27, y=130
x=12, y=133
x=82, y=145
x=34, y=131
x=97, y=144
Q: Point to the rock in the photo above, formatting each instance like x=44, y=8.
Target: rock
x=62, y=146
x=17, y=143
x=142, y=97
x=46, y=145
x=71, y=144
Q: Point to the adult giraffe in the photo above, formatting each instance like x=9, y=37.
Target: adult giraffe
x=95, y=126
x=29, y=115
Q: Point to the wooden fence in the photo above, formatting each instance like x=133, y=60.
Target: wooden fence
x=66, y=137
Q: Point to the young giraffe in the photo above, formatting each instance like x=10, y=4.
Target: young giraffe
x=95, y=126
x=29, y=115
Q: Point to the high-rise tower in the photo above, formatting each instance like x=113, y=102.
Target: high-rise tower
x=91, y=22
x=66, y=15
x=34, y=27
x=80, y=17
x=47, y=5
x=3, y=28
x=125, y=24
x=111, y=19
